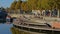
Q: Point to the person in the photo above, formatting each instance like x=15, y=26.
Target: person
x=8, y=19
x=54, y=12
x=43, y=12
x=47, y=13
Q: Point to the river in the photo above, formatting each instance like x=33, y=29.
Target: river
x=9, y=29
x=5, y=28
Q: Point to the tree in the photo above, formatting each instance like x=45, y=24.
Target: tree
x=32, y=4
x=35, y=4
x=24, y=6
x=51, y=4
x=54, y=4
x=13, y=5
x=18, y=4
x=38, y=4
x=57, y=4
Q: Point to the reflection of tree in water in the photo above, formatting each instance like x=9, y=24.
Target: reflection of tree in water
x=16, y=31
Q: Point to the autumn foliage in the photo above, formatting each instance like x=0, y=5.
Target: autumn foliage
x=35, y=4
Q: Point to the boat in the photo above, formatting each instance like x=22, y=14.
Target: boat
x=3, y=15
x=37, y=24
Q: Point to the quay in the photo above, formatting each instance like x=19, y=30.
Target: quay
x=35, y=25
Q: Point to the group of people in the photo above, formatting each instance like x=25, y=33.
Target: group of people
x=45, y=12
x=53, y=12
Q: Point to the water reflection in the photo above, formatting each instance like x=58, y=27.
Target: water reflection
x=16, y=31
x=5, y=28
x=9, y=29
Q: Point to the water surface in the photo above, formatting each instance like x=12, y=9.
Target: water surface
x=5, y=28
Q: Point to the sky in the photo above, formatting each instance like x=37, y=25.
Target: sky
x=5, y=3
